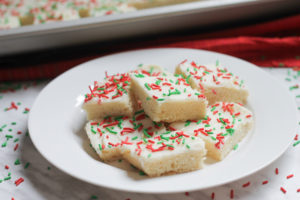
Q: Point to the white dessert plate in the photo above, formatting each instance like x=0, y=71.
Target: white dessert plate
x=56, y=124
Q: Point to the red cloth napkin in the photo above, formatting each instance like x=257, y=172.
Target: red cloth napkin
x=274, y=43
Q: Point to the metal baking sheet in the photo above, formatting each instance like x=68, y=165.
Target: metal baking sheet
x=137, y=23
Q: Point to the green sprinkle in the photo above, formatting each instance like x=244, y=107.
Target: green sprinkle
x=183, y=141
x=235, y=147
x=217, y=63
x=111, y=131
x=17, y=162
x=213, y=138
x=139, y=112
x=198, y=122
x=296, y=143
x=148, y=98
x=149, y=155
x=168, y=132
x=7, y=178
x=222, y=121
x=94, y=197
x=120, y=160
x=9, y=174
x=16, y=140
x=134, y=138
x=100, y=147
x=164, y=138
x=146, y=133
x=298, y=96
x=157, y=124
x=144, y=139
x=169, y=145
x=141, y=173
x=288, y=79
x=8, y=136
x=147, y=86
x=49, y=168
x=213, y=108
x=160, y=99
x=139, y=76
x=230, y=131
x=187, y=123
x=0, y=181
x=93, y=131
x=13, y=123
x=158, y=82
x=188, y=146
x=4, y=144
x=26, y=165
x=294, y=87
x=174, y=93
x=10, y=130
x=140, y=65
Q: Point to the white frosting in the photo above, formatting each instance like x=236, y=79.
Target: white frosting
x=210, y=75
x=219, y=124
x=139, y=140
x=166, y=88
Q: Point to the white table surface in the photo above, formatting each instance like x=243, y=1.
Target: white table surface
x=44, y=181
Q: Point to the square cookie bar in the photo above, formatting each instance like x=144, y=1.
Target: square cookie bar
x=217, y=83
x=165, y=153
x=225, y=125
x=168, y=98
x=110, y=97
x=145, y=144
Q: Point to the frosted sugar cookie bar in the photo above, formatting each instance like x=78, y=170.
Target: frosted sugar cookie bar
x=108, y=135
x=225, y=125
x=168, y=98
x=110, y=97
x=169, y=152
x=217, y=83
x=145, y=144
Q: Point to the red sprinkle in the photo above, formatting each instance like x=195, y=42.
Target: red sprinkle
x=172, y=129
x=187, y=194
x=246, y=184
x=298, y=190
x=19, y=132
x=231, y=194
x=290, y=176
x=6, y=167
x=276, y=171
x=248, y=116
x=296, y=137
x=16, y=147
x=212, y=195
x=265, y=182
x=283, y=190
x=111, y=124
x=19, y=181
